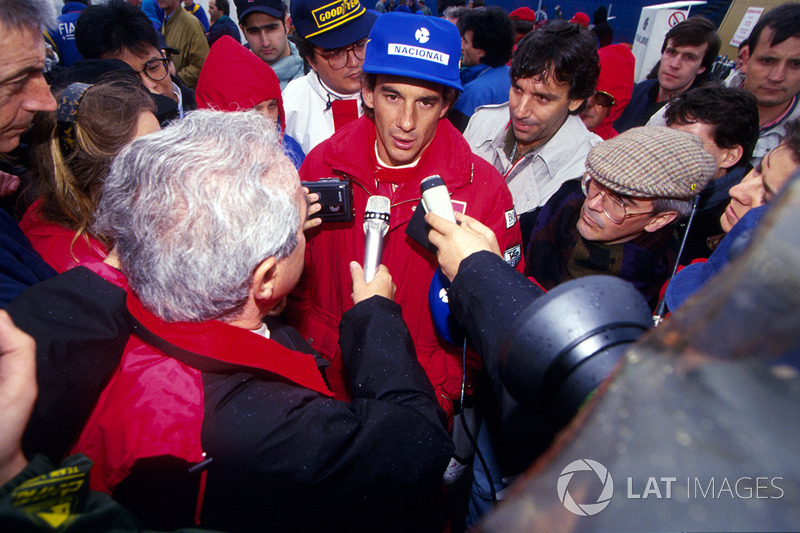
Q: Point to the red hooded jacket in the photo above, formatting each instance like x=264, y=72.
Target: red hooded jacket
x=616, y=78
x=235, y=79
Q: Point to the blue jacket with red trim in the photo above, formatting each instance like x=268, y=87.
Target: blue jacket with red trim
x=215, y=425
x=323, y=294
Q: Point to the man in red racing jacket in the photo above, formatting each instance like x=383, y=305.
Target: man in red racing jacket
x=411, y=80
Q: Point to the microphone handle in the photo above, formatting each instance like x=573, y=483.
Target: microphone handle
x=372, y=252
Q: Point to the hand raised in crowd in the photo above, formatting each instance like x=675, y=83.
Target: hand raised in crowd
x=313, y=207
x=455, y=242
x=17, y=394
x=381, y=284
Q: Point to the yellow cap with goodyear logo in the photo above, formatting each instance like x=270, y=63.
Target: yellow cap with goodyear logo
x=332, y=24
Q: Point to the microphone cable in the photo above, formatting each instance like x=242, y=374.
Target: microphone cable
x=471, y=439
x=661, y=308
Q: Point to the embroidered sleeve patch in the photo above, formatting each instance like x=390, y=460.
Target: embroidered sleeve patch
x=511, y=218
x=513, y=255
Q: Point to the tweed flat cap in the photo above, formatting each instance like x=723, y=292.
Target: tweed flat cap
x=652, y=162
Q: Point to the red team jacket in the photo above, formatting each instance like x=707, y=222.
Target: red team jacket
x=324, y=291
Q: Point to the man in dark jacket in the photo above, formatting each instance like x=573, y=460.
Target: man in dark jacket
x=687, y=55
x=619, y=219
x=221, y=22
x=24, y=91
x=241, y=429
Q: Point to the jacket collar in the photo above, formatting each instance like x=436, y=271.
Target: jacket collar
x=324, y=91
x=232, y=345
x=557, y=151
x=351, y=152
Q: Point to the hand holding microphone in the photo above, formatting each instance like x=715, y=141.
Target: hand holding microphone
x=436, y=198
x=381, y=284
x=455, y=243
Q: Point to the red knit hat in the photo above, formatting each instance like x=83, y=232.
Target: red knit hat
x=235, y=79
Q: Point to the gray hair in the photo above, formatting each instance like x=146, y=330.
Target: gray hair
x=196, y=207
x=454, y=12
x=682, y=207
x=18, y=14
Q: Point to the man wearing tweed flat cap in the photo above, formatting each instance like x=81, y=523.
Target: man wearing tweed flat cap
x=619, y=219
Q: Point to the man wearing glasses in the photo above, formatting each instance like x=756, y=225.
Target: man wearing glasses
x=332, y=37
x=118, y=30
x=619, y=219
x=536, y=140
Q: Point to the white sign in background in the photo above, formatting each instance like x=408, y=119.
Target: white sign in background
x=749, y=20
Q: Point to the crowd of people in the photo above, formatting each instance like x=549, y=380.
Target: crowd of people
x=195, y=344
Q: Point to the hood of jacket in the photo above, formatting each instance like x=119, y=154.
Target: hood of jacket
x=616, y=78
x=235, y=79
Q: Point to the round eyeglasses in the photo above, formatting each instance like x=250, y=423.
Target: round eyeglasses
x=337, y=58
x=155, y=69
x=613, y=206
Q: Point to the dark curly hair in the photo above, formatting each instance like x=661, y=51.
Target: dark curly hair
x=732, y=112
x=305, y=48
x=563, y=50
x=492, y=32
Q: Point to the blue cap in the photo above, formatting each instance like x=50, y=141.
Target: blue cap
x=415, y=46
x=330, y=24
x=692, y=277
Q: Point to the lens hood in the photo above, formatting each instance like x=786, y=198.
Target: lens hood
x=564, y=344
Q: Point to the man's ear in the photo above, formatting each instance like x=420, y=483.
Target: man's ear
x=731, y=156
x=287, y=22
x=448, y=105
x=575, y=104
x=660, y=220
x=367, y=95
x=264, y=279
x=745, y=56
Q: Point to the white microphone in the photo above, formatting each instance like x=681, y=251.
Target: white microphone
x=376, y=225
x=436, y=198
